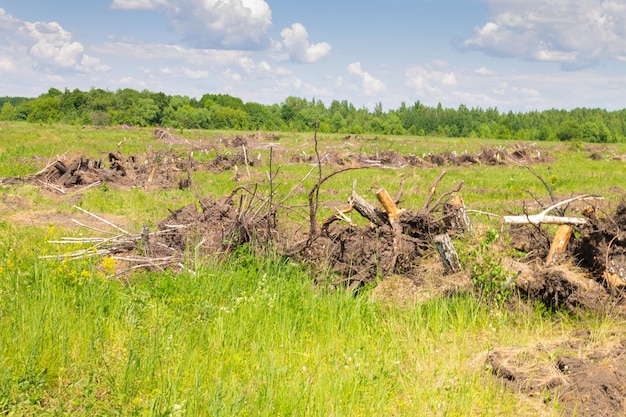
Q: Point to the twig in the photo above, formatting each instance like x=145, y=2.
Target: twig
x=56, y=188
x=455, y=189
x=245, y=158
x=314, y=195
x=432, y=190
x=92, y=185
x=102, y=220
x=91, y=227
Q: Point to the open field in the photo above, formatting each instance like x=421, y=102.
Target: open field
x=250, y=334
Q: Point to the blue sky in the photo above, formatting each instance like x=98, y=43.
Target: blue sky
x=518, y=55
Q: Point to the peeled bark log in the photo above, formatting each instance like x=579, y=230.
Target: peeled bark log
x=366, y=210
x=543, y=219
x=393, y=211
x=559, y=244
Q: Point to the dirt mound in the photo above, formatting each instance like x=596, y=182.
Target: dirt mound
x=562, y=287
x=601, y=247
x=518, y=153
x=584, y=379
x=598, y=251
x=213, y=227
x=155, y=170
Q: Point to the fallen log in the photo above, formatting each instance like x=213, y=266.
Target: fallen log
x=545, y=218
x=542, y=219
x=367, y=210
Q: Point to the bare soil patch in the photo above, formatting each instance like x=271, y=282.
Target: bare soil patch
x=585, y=379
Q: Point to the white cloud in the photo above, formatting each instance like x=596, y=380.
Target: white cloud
x=43, y=45
x=296, y=43
x=484, y=71
x=89, y=63
x=574, y=34
x=195, y=74
x=147, y=52
x=424, y=79
x=136, y=4
x=8, y=22
x=53, y=45
x=131, y=82
x=6, y=65
x=238, y=24
x=369, y=84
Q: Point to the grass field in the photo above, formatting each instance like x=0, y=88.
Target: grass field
x=253, y=336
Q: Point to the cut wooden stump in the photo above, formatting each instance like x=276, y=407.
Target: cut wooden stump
x=449, y=257
x=557, y=250
x=392, y=210
x=456, y=214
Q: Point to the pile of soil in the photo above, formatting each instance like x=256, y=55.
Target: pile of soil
x=211, y=227
x=156, y=170
x=583, y=378
x=519, y=153
x=598, y=251
x=601, y=247
x=228, y=161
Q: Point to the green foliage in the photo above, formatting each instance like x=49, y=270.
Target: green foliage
x=7, y=112
x=223, y=111
x=492, y=281
x=568, y=130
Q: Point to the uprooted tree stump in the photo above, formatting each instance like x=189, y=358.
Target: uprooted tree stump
x=581, y=270
x=392, y=242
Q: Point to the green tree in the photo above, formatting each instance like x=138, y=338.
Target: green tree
x=147, y=112
x=45, y=109
x=7, y=112
x=225, y=117
x=568, y=130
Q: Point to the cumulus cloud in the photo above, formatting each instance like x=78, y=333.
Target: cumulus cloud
x=6, y=65
x=297, y=45
x=195, y=74
x=238, y=24
x=147, y=52
x=369, y=84
x=424, y=79
x=48, y=45
x=8, y=22
x=574, y=34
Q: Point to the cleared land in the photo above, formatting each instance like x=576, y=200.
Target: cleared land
x=197, y=289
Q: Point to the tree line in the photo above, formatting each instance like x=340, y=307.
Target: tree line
x=222, y=111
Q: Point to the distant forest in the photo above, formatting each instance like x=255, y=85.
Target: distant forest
x=222, y=111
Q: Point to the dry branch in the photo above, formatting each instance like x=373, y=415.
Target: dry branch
x=367, y=210
x=545, y=218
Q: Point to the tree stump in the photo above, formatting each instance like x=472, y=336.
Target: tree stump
x=449, y=257
x=559, y=244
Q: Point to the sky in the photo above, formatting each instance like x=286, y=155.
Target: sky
x=514, y=55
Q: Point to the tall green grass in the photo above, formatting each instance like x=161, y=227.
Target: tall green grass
x=249, y=336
